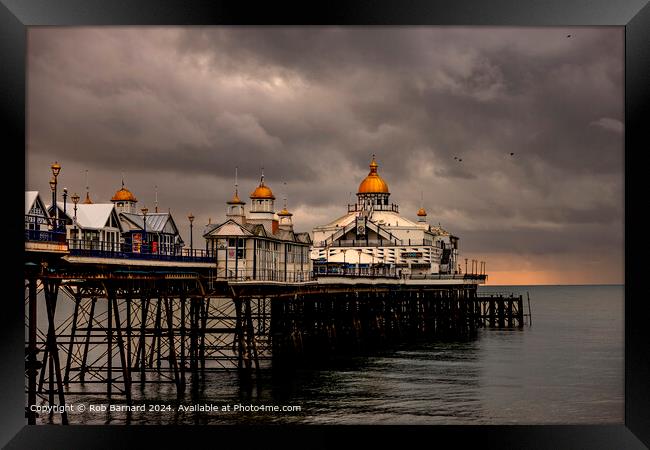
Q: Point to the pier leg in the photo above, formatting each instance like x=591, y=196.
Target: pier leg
x=172, y=347
x=142, y=349
x=51, y=292
x=84, y=359
x=121, y=347
x=182, y=324
x=77, y=301
x=32, y=361
x=109, y=355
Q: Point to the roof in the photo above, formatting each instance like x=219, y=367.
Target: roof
x=437, y=229
x=156, y=222
x=89, y=216
x=256, y=229
x=30, y=198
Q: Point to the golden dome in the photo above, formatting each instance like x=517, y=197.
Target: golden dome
x=262, y=191
x=373, y=183
x=422, y=212
x=88, y=201
x=284, y=212
x=123, y=195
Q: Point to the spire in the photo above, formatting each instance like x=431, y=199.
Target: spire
x=262, y=178
x=235, y=199
x=87, y=201
x=156, y=202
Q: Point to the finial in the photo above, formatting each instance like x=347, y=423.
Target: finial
x=262, y=178
x=236, y=184
x=122, y=179
x=285, y=194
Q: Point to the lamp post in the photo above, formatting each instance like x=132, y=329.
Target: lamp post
x=191, y=219
x=56, y=169
x=75, y=200
x=144, y=210
x=53, y=188
x=65, y=201
x=345, y=250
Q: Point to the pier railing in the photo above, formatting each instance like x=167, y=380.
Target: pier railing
x=289, y=276
x=117, y=250
x=54, y=229
x=392, y=273
x=44, y=236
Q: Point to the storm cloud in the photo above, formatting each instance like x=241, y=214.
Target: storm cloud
x=536, y=117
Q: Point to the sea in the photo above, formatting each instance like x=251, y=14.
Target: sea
x=565, y=367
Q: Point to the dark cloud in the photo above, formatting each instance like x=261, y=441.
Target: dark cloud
x=181, y=107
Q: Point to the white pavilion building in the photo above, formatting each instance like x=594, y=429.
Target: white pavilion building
x=373, y=238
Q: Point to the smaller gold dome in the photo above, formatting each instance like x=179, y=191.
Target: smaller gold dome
x=422, y=212
x=284, y=212
x=236, y=200
x=262, y=191
x=123, y=195
x=88, y=201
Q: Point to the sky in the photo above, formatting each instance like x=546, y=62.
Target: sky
x=535, y=114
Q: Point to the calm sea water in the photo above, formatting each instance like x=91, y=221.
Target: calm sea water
x=567, y=368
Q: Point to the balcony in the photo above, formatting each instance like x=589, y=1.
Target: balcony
x=375, y=243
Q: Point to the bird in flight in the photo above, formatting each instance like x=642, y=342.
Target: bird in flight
x=512, y=154
x=568, y=35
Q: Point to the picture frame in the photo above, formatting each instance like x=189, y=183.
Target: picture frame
x=17, y=15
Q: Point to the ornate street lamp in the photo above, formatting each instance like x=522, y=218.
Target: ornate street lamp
x=56, y=169
x=144, y=210
x=191, y=219
x=75, y=200
x=53, y=188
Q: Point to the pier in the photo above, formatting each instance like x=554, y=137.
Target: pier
x=130, y=322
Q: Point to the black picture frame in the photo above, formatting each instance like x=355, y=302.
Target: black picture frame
x=634, y=15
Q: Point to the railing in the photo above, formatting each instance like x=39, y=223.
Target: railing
x=375, y=243
x=264, y=275
x=390, y=272
x=355, y=207
x=55, y=231
x=115, y=250
x=382, y=272
x=45, y=236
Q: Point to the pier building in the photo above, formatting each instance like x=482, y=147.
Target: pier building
x=373, y=238
x=260, y=244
